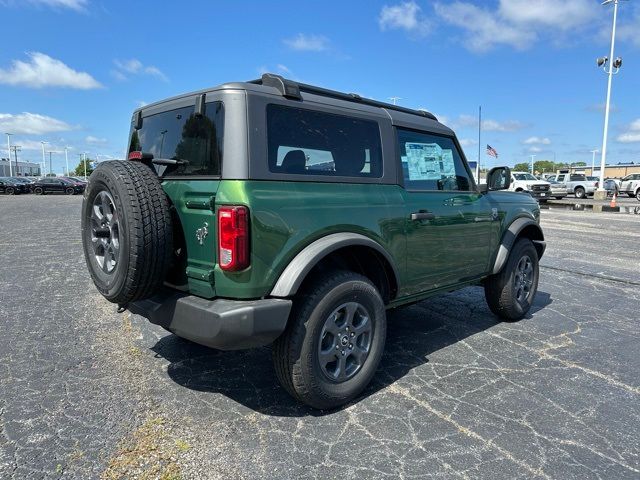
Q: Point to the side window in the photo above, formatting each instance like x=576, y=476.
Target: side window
x=307, y=142
x=431, y=162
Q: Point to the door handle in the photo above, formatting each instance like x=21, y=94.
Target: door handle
x=422, y=215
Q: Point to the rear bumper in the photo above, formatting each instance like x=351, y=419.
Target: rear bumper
x=219, y=323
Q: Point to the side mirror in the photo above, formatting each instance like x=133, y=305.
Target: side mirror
x=498, y=178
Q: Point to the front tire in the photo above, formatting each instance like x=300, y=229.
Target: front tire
x=334, y=340
x=70, y=191
x=10, y=191
x=38, y=191
x=510, y=292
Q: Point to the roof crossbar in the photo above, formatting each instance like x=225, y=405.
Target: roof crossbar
x=291, y=89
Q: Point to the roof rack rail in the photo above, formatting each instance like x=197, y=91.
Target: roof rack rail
x=291, y=89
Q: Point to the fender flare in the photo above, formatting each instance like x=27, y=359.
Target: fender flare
x=509, y=238
x=294, y=274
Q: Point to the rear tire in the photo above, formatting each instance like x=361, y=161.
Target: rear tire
x=38, y=191
x=510, y=292
x=10, y=191
x=326, y=356
x=126, y=231
x=70, y=191
x=580, y=193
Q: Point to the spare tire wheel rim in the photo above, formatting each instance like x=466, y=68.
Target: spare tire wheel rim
x=345, y=341
x=105, y=232
x=523, y=280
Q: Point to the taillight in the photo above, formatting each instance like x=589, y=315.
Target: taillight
x=233, y=238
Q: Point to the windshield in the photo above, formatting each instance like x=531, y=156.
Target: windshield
x=524, y=176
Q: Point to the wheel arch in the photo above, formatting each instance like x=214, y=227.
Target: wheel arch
x=520, y=228
x=345, y=250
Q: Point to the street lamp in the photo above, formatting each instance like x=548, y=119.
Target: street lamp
x=9, y=150
x=532, y=157
x=66, y=159
x=16, y=149
x=614, y=67
x=44, y=162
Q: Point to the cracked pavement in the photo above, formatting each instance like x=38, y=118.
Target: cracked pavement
x=458, y=394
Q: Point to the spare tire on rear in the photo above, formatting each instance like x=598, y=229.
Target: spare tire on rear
x=126, y=231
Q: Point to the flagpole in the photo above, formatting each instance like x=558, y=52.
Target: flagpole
x=479, y=128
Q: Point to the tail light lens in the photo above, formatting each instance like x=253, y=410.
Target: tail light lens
x=233, y=238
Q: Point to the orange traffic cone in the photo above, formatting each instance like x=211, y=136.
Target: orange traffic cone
x=613, y=199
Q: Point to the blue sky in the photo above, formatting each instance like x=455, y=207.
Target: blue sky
x=72, y=71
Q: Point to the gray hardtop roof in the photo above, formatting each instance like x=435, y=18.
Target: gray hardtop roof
x=277, y=86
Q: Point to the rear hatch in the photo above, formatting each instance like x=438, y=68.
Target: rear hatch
x=185, y=148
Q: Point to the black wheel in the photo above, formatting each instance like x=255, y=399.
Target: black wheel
x=126, y=231
x=69, y=191
x=638, y=195
x=334, y=340
x=510, y=292
x=580, y=193
x=38, y=191
x=10, y=191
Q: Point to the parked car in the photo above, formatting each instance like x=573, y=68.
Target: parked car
x=631, y=185
x=309, y=235
x=28, y=183
x=78, y=180
x=57, y=185
x=576, y=183
x=526, y=182
x=9, y=186
x=557, y=190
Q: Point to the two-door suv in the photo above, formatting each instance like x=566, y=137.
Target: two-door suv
x=273, y=212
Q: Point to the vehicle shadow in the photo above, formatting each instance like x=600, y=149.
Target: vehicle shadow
x=413, y=333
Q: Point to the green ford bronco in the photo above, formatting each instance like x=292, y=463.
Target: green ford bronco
x=274, y=212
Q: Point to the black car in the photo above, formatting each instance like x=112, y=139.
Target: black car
x=57, y=185
x=28, y=183
x=9, y=186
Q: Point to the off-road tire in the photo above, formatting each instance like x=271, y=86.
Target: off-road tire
x=295, y=355
x=145, y=232
x=580, y=192
x=499, y=288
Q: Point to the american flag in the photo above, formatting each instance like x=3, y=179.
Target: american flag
x=492, y=151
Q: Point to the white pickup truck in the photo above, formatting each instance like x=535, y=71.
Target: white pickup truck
x=576, y=183
x=630, y=185
x=525, y=182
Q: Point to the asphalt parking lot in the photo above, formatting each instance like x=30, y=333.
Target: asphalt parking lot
x=87, y=393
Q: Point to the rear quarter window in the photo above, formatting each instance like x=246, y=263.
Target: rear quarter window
x=308, y=142
x=180, y=134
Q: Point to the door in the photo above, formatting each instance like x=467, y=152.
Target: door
x=448, y=223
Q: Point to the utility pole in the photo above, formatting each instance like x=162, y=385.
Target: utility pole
x=9, y=150
x=16, y=149
x=601, y=193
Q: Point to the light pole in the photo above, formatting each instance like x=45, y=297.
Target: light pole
x=44, y=162
x=9, y=150
x=16, y=149
x=601, y=193
x=66, y=159
x=50, y=170
x=593, y=160
x=532, y=157
x=395, y=99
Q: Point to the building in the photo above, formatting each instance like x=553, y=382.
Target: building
x=618, y=170
x=25, y=169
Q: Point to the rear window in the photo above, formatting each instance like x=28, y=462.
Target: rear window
x=307, y=142
x=181, y=135
x=577, y=178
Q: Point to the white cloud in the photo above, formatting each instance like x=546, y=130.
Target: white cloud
x=535, y=149
x=489, y=125
x=31, y=124
x=95, y=140
x=141, y=103
x=44, y=71
x=124, y=68
x=467, y=142
x=404, y=16
x=307, y=43
x=517, y=23
x=77, y=5
x=632, y=134
x=537, y=141
x=627, y=30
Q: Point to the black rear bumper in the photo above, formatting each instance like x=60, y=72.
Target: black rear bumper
x=219, y=323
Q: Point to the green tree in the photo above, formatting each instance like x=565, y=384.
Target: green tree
x=79, y=171
x=521, y=167
x=544, y=166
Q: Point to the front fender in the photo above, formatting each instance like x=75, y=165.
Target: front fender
x=512, y=233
